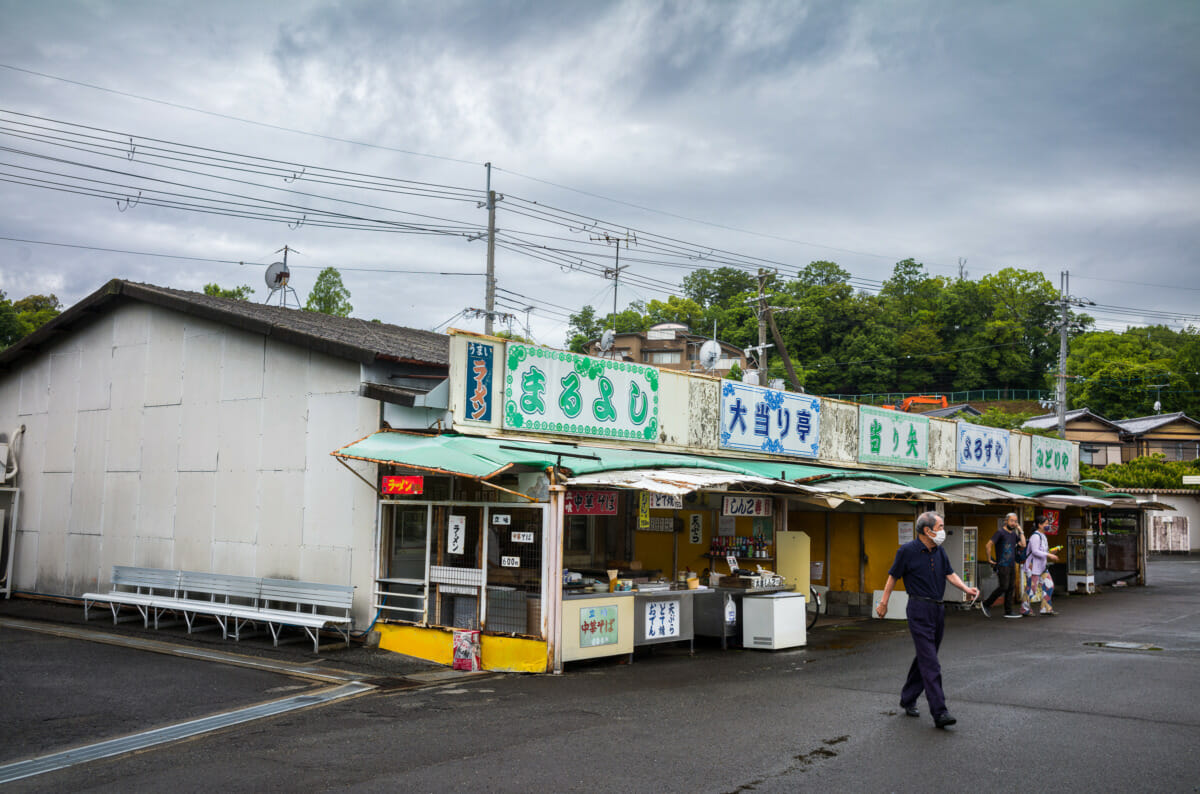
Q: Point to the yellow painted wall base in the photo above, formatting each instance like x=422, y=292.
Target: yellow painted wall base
x=513, y=654
x=502, y=654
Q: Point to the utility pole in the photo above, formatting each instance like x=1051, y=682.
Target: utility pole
x=762, y=326
x=490, y=293
x=615, y=271
x=1065, y=299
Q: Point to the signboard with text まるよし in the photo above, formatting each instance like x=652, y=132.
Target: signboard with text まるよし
x=553, y=391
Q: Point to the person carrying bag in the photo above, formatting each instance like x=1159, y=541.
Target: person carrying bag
x=1039, y=585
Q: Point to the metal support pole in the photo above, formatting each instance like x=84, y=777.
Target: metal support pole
x=490, y=295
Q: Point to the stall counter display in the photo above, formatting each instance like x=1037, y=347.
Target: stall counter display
x=596, y=625
x=664, y=616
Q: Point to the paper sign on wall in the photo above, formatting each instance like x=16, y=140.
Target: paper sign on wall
x=662, y=619
x=905, y=531
x=746, y=506
x=456, y=534
x=695, y=529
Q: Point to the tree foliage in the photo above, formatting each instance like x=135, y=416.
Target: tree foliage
x=329, y=295
x=22, y=317
x=1151, y=471
x=236, y=293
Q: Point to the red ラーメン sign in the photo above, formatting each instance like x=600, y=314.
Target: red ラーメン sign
x=591, y=503
x=403, y=486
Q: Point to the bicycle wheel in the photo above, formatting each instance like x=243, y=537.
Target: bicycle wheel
x=813, y=606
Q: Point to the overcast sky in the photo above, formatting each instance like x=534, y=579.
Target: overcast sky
x=1048, y=136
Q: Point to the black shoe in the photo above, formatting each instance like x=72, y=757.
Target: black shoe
x=944, y=720
x=983, y=608
x=912, y=710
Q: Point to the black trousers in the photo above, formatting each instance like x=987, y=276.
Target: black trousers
x=926, y=624
x=1005, y=574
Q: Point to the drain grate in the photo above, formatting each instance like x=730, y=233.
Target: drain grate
x=1125, y=646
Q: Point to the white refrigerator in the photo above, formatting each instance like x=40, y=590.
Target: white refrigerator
x=960, y=545
x=773, y=621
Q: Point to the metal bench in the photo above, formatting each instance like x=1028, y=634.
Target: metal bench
x=287, y=602
x=139, y=588
x=233, y=601
x=215, y=595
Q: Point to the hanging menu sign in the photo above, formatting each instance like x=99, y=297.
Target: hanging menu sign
x=553, y=391
x=892, y=438
x=590, y=503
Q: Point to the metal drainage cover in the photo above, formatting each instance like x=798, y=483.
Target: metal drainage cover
x=1125, y=646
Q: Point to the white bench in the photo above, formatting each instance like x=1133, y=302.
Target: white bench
x=139, y=588
x=233, y=601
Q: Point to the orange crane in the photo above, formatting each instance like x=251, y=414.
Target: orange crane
x=925, y=399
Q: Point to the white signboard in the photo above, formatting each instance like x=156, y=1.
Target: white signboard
x=456, y=534
x=746, y=506
x=726, y=526
x=1052, y=459
x=695, y=529
x=983, y=449
x=662, y=619
x=905, y=530
x=661, y=501
x=661, y=524
x=892, y=438
x=501, y=519
x=553, y=391
x=522, y=537
x=759, y=419
x=510, y=562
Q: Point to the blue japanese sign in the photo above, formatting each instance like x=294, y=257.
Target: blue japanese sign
x=758, y=419
x=479, y=382
x=983, y=449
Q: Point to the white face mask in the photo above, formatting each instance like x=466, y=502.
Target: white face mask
x=940, y=537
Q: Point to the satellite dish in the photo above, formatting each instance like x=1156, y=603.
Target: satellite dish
x=277, y=276
x=710, y=354
x=1157, y=407
x=607, y=339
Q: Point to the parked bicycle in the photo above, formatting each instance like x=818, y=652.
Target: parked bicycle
x=813, y=606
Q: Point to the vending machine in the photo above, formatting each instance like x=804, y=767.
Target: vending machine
x=1081, y=561
x=961, y=545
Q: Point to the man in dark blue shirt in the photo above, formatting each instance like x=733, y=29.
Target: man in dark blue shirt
x=925, y=569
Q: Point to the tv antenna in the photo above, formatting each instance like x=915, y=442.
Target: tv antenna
x=277, y=277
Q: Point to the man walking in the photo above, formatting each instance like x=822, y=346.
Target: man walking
x=925, y=569
x=1004, y=550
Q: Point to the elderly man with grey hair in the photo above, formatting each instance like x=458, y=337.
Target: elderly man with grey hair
x=925, y=569
x=1005, y=549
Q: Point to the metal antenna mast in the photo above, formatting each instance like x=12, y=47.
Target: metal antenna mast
x=615, y=271
x=1065, y=299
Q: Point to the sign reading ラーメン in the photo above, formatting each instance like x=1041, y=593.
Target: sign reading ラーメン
x=552, y=391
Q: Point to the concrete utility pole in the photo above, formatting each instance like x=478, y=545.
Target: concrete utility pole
x=490, y=294
x=1065, y=299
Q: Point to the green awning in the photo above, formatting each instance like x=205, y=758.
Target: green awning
x=483, y=458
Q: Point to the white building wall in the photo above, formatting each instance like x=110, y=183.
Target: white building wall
x=158, y=439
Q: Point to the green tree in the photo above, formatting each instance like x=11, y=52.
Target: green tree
x=34, y=311
x=1151, y=471
x=582, y=328
x=676, y=310
x=329, y=295
x=11, y=327
x=236, y=293
x=717, y=287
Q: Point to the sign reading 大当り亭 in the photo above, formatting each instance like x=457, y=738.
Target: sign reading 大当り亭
x=553, y=391
x=893, y=438
x=1052, y=459
x=768, y=420
x=982, y=449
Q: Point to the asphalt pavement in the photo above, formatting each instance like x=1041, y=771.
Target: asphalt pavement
x=1103, y=698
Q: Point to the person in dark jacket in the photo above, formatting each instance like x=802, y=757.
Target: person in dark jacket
x=925, y=569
